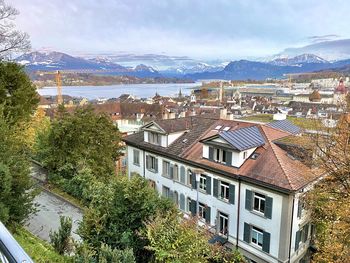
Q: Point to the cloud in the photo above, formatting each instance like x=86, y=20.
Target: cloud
x=317, y=39
x=195, y=28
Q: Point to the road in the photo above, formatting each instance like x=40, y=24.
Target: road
x=50, y=208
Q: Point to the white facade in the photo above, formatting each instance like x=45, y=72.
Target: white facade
x=281, y=244
x=266, y=224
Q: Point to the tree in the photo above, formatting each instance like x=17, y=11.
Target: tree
x=61, y=239
x=117, y=212
x=11, y=40
x=329, y=201
x=16, y=199
x=175, y=239
x=17, y=93
x=80, y=141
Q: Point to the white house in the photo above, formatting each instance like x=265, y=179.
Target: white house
x=234, y=177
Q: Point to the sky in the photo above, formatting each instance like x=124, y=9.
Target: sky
x=207, y=29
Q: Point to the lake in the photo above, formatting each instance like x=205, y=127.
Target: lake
x=114, y=91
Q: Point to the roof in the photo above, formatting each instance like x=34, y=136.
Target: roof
x=244, y=138
x=285, y=125
x=274, y=167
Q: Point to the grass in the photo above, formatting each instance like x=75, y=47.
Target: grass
x=40, y=251
x=309, y=124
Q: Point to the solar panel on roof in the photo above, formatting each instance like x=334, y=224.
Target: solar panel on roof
x=285, y=125
x=244, y=138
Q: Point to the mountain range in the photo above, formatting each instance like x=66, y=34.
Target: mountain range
x=185, y=67
x=52, y=61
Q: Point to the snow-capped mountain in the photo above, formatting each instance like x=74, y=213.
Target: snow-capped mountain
x=297, y=60
x=51, y=61
x=199, y=67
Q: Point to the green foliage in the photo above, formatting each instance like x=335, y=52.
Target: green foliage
x=79, y=148
x=17, y=93
x=38, y=250
x=61, y=240
x=82, y=140
x=105, y=254
x=15, y=195
x=173, y=239
x=117, y=212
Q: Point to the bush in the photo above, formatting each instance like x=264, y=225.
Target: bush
x=61, y=240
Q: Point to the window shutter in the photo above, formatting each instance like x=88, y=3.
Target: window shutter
x=232, y=194
x=182, y=175
x=171, y=172
x=268, y=208
x=171, y=195
x=147, y=161
x=248, y=199
x=216, y=188
x=193, y=180
x=207, y=214
x=208, y=185
x=193, y=207
x=182, y=202
x=297, y=240
x=156, y=165
x=306, y=232
x=164, y=168
x=229, y=158
x=266, y=242
x=246, y=233
x=300, y=207
x=211, y=153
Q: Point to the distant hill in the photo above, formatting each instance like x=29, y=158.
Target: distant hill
x=245, y=69
x=51, y=61
x=330, y=50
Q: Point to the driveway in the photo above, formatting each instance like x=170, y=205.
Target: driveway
x=50, y=208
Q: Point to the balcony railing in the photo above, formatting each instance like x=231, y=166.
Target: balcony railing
x=10, y=250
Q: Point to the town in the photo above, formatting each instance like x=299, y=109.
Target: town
x=113, y=150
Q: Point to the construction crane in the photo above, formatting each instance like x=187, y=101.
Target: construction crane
x=59, y=88
x=58, y=77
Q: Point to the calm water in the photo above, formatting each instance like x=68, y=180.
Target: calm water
x=114, y=91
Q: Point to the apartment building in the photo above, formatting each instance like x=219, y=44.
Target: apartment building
x=234, y=177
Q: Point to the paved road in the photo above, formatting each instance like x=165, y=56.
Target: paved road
x=50, y=208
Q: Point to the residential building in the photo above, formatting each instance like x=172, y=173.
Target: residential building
x=234, y=177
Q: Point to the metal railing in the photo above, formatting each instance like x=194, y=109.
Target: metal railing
x=10, y=250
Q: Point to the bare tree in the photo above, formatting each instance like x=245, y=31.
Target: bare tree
x=11, y=39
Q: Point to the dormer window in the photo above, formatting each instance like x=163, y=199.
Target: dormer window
x=220, y=155
x=154, y=138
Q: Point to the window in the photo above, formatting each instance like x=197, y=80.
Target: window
x=154, y=138
x=259, y=203
x=224, y=191
x=220, y=155
x=166, y=169
x=257, y=236
x=166, y=191
x=136, y=157
x=188, y=205
x=176, y=172
x=203, y=182
x=202, y=210
x=152, y=163
x=223, y=223
x=176, y=198
x=244, y=155
x=189, y=177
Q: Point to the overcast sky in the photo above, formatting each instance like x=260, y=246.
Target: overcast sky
x=196, y=28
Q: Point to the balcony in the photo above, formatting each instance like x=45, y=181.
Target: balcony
x=10, y=250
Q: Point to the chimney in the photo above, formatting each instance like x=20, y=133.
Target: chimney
x=223, y=113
